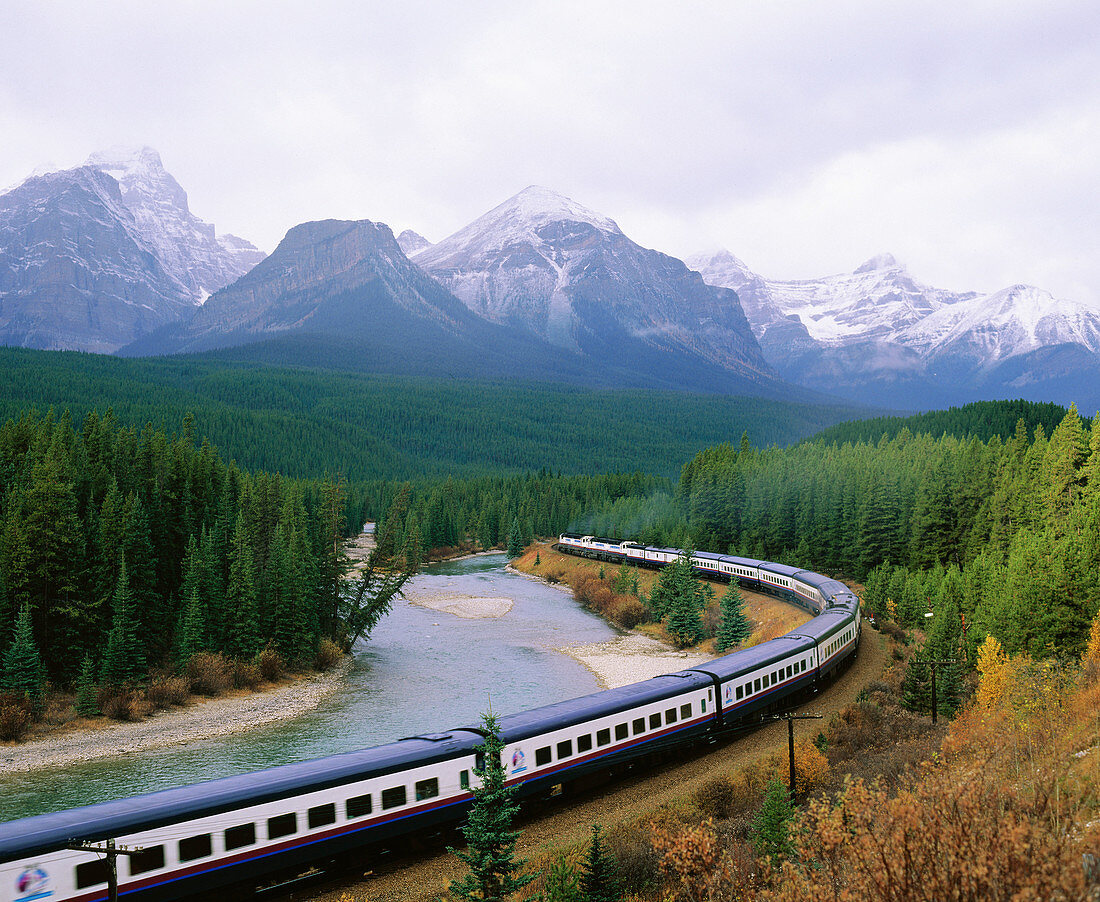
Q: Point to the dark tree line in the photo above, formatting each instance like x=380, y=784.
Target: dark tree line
x=994, y=537
x=138, y=549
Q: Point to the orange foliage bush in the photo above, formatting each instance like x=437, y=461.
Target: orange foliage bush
x=941, y=838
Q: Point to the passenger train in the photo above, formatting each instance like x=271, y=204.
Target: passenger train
x=227, y=836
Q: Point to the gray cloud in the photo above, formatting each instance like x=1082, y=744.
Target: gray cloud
x=803, y=136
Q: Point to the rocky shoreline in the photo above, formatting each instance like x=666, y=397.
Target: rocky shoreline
x=203, y=720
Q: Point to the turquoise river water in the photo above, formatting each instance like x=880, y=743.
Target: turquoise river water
x=421, y=671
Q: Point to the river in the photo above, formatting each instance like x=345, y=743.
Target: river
x=423, y=670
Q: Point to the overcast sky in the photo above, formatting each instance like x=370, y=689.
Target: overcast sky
x=805, y=137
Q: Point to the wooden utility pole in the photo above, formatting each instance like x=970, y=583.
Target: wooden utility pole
x=112, y=851
x=791, y=717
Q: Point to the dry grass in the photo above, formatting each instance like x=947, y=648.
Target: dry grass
x=770, y=616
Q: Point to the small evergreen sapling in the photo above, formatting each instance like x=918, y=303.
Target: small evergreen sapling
x=770, y=829
x=599, y=875
x=490, y=839
x=86, y=704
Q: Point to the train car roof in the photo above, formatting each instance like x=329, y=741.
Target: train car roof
x=675, y=551
x=524, y=724
x=824, y=625
x=781, y=569
x=742, y=561
x=749, y=659
x=709, y=555
x=33, y=835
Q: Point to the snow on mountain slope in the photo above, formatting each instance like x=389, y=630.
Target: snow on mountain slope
x=542, y=262
x=1008, y=323
x=875, y=302
x=76, y=272
x=188, y=247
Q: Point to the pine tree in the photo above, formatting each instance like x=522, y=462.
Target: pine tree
x=124, y=656
x=244, y=639
x=769, y=831
x=734, y=627
x=563, y=883
x=599, y=874
x=22, y=672
x=490, y=839
x=85, y=703
x=515, y=539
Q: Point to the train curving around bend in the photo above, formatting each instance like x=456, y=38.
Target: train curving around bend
x=225, y=837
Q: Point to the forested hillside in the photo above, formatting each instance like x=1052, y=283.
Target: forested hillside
x=308, y=423
x=983, y=419
x=994, y=537
x=137, y=550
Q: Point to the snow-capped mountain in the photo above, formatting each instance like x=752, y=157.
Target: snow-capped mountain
x=412, y=243
x=1008, y=323
x=92, y=257
x=877, y=334
x=546, y=264
x=188, y=247
x=76, y=272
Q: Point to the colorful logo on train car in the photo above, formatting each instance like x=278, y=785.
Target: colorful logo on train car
x=32, y=883
x=519, y=760
x=727, y=694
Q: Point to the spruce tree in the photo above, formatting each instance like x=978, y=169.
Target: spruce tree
x=22, y=672
x=734, y=627
x=124, y=656
x=243, y=639
x=85, y=703
x=490, y=839
x=769, y=831
x=599, y=875
x=515, y=539
x=563, y=883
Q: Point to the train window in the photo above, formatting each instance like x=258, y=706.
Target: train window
x=321, y=815
x=584, y=743
x=670, y=716
x=426, y=789
x=685, y=711
x=150, y=859
x=703, y=706
x=479, y=761
x=196, y=847
x=282, y=825
x=621, y=731
x=565, y=749
x=790, y=671
x=542, y=756
x=359, y=806
x=91, y=873
x=639, y=725
x=655, y=721
x=775, y=677
x=244, y=835
x=740, y=693
x=394, y=797
x=463, y=779
x=756, y=685
x=603, y=737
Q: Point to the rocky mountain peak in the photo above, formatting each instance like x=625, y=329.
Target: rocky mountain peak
x=879, y=262
x=412, y=243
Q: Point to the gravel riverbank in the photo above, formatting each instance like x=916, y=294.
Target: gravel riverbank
x=202, y=720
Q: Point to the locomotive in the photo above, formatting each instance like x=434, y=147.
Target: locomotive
x=227, y=836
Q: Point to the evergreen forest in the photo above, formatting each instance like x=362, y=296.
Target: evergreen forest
x=308, y=422
x=994, y=537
